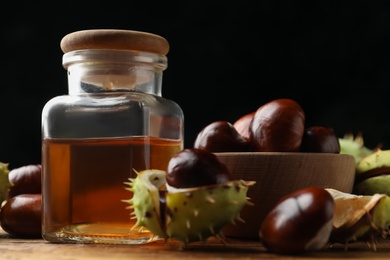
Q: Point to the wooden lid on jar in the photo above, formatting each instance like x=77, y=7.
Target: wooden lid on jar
x=114, y=39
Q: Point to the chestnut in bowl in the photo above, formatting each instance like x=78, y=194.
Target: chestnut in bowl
x=221, y=136
x=320, y=139
x=277, y=126
x=243, y=124
x=193, y=167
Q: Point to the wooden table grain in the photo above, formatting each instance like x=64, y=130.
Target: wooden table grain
x=33, y=249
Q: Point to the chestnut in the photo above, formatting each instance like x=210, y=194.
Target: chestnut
x=301, y=221
x=278, y=126
x=221, y=136
x=320, y=139
x=243, y=123
x=193, y=167
x=25, y=179
x=21, y=215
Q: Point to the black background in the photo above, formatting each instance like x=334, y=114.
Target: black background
x=227, y=58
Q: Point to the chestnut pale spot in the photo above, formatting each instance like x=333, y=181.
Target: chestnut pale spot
x=189, y=194
x=210, y=200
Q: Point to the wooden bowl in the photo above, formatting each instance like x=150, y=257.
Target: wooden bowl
x=278, y=174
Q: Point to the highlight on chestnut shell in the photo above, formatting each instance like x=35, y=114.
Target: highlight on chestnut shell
x=278, y=126
x=301, y=221
x=196, y=167
x=320, y=139
x=243, y=124
x=221, y=136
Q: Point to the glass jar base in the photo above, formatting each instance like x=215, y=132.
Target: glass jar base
x=101, y=233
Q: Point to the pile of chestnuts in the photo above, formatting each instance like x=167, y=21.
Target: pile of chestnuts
x=20, y=213
x=303, y=220
x=277, y=126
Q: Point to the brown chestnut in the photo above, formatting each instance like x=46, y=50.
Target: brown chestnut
x=320, y=139
x=221, y=136
x=301, y=221
x=196, y=167
x=21, y=215
x=278, y=126
x=25, y=179
x=242, y=124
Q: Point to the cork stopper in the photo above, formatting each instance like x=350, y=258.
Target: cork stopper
x=114, y=39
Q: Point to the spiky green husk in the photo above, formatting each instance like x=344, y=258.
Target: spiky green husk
x=379, y=158
x=381, y=216
x=378, y=184
x=4, y=181
x=192, y=214
x=378, y=161
x=354, y=146
x=198, y=213
x=145, y=200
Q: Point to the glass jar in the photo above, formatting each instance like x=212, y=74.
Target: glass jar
x=113, y=123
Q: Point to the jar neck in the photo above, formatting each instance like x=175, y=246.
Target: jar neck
x=99, y=71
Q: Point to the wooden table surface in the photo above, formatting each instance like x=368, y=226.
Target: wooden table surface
x=32, y=249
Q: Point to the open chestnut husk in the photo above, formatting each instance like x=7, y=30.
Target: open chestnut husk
x=190, y=202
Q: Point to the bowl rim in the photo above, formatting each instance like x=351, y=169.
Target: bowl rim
x=281, y=154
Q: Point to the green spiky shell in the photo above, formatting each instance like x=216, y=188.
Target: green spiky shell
x=145, y=201
x=4, y=181
x=192, y=214
x=199, y=213
x=377, y=184
x=380, y=215
x=354, y=145
x=380, y=158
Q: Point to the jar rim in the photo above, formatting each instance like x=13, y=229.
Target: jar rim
x=114, y=56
